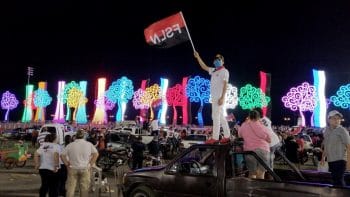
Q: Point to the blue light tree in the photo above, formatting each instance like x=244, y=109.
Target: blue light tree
x=342, y=99
x=121, y=91
x=198, y=91
x=41, y=100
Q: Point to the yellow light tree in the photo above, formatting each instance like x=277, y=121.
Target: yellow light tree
x=151, y=95
x=74, y=99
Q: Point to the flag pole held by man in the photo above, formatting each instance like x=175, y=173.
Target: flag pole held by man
x=168, y=32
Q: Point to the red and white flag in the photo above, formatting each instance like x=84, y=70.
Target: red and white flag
x=167, y=32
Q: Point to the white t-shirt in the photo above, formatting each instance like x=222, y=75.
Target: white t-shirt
x=274, y=137
x=217, y=81
x=79, y=153
x=46, y=153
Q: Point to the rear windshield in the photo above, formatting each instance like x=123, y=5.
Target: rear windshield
x=50, y=129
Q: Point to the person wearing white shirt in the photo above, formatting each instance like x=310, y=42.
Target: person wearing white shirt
x=218, y=86
x=79, y=156
x=46, y=160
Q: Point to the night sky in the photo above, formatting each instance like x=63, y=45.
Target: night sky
x=69, y=41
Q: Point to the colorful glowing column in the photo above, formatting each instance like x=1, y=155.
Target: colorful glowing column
x=265, y=86
x=28, y=104
x=143, y=112
x=40, y=110
x=100, y=116
x=319, y=115
x=81, y=113
x=162, y=112
x=185, y=111
x=59, y=114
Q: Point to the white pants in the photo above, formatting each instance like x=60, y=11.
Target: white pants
x=217, y=114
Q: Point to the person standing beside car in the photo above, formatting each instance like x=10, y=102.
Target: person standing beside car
x=336, y=148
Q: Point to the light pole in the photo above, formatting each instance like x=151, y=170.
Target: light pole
x=30, y=72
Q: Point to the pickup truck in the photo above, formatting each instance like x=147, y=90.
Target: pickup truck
x=219, y=170
x=60, y=130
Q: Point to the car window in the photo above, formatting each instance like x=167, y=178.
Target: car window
x=50, y=129
x=199, y=161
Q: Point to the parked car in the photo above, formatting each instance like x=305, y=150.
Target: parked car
x=59, y=129
x=119, y=140
x=219, y=170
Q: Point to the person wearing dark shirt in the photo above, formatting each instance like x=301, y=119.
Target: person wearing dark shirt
x=292, y=148
x=137, y=155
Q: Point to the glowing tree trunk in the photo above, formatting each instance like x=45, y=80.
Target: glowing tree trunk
x=40, y=111
x=175, y=115
x=28, y=109
x=163, y=87
x=59, y=114
x=7, y=114
x=143, y=112
x=81, y=112
x=302, y=118
x=100, y=116
x=185, y=102
x=200, y=116
x=121, y=111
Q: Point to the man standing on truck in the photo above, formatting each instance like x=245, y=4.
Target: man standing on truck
x=218, y=85
x=336, y=148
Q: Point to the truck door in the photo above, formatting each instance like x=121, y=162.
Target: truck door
x=194, y=174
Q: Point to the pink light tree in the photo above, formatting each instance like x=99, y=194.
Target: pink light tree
x=175, y=97
x=8, y=102
x=301, y=98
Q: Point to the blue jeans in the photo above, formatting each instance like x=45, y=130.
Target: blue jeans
x=337, y=168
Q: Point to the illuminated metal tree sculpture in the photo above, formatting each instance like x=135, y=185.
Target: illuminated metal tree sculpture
x=301, y=98
x=41, y=100
x=198, y=90
x=104, y=102
x=74, y=99
x=150, y=97
x=67, y=88
x=231, y=97
x=59, y=113
x=81, y=117
x=120, y=91
x=175, y=97
x=100, y=115
x=28, y=104
x=342, y=99
x=251, y=97
x=8, y=102
x=137, y=100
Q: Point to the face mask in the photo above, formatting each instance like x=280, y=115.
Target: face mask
x=217, y=63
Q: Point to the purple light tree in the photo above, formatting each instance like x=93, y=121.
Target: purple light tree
x=106, y=103
x=8, y=102
x=301, y=98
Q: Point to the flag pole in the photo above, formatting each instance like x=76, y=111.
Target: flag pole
x=188, y=32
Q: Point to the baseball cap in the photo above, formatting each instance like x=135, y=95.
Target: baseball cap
x=333, y=113
x=80, y=133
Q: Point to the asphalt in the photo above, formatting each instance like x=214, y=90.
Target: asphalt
x=25, y=181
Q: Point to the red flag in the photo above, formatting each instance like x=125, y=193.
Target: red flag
x=167, y=32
